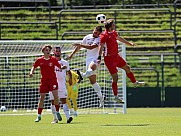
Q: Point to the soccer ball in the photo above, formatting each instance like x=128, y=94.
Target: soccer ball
x=3, y=108
x=101, y=18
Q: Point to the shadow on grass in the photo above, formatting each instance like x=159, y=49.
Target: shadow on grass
x=72, y=123
x=133, y=125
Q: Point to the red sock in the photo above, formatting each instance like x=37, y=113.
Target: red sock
x=115, y=88
x=40, y=110
x=131, y=77
x=52, y=102
x=57, y=108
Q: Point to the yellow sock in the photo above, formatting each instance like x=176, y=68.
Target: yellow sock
x=74, y=101
x=68, y=103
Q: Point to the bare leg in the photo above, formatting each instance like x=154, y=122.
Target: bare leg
x=40, y=106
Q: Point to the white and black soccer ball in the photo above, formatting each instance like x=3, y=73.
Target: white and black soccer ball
x=100, y=18
x=3, y=108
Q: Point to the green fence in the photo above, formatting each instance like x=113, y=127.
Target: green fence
x=153, y=97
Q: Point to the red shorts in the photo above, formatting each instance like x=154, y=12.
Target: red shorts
x=114, y=61
x=48, y=85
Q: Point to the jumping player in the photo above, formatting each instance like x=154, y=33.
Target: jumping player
x=91, y=42
x=108, y=41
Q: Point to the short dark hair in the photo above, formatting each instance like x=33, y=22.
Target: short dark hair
x=57, y=47
x=109, y=23
x=99, y=28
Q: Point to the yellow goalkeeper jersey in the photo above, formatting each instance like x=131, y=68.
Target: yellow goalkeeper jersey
x=74, y=78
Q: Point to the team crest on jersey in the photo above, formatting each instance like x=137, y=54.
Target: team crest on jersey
x=54, y=86
x=50, y=64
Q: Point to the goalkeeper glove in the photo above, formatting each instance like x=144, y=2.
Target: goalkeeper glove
x=75, y=87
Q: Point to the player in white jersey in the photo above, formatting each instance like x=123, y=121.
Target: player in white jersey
x=91, y=42
x=62, y=91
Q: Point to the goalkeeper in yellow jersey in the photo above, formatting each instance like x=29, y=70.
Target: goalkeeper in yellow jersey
x=73, y=92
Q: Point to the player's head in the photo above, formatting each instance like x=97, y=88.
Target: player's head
x=97, y=31
x=57, y=51
x=46, y=49
x=110, y=24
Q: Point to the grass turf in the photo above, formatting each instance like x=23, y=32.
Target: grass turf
x=137, y=122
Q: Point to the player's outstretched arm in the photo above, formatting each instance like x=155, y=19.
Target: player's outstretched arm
x=63, y=67
x=89, y=47
x=121, y=39
x=75, y=50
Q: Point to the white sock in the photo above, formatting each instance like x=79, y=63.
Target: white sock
x=72, y=110
x=66, y=111
x=97, y=89
x=53, y=111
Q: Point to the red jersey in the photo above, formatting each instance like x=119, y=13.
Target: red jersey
x=47, y=67
x=110, y=41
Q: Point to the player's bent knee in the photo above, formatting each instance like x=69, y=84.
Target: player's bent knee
x=93, y=66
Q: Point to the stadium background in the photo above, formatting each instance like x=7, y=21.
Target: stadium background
x=153, y=25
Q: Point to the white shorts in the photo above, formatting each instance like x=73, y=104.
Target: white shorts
x=62, y=93
x=89, y=62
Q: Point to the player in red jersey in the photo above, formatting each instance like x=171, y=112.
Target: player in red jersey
x=108, y=41
x=48, y=83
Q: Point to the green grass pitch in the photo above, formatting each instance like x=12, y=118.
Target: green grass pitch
x=137, y=122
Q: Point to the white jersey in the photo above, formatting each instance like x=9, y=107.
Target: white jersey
x=61, y=74
x=61, y=79
x=94, y=53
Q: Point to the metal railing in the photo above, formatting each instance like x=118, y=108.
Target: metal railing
x=175, y=8
x=123, y=4
x=176, y=48
x=163, y=62
x=151, y=69
x=119, y=32
x=48, y=23
x=115, y=11
x=175, y=31
x=32, y=1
